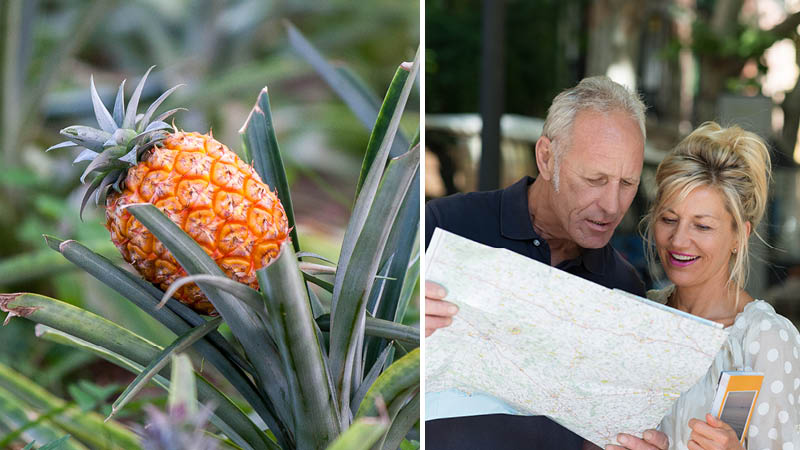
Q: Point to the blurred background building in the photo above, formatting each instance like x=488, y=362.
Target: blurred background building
x=493, y=67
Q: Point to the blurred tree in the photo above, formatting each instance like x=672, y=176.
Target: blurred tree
x=544, y=45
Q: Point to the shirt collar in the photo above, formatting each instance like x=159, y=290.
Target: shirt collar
x=515, y=220
x=595, y=260
x=515, y=223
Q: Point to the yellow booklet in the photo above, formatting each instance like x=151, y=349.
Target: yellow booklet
x=736, y=399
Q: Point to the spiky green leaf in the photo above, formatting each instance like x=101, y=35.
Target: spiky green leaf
x=361, y=435
x=183, y=389
x=244, y=323
x=382, y=123
x=102, y=115
x=371, y=376
x=133, y=104
x=177, y=317
x=346, y=85
x=153, y=106
x=182, y=343
x=367, y=194
x=86, y=426
x=398, y=378
x=402, y=422
x=349, y=303
x=94, y=329
x=380, y=328
x=119, y=105
x=261, y=146
x=316, y=415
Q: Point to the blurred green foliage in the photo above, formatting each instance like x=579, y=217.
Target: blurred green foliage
x=538, y=62
x=224, y=52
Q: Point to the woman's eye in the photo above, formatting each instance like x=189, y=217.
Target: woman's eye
x=668, y=220
x=703, y=227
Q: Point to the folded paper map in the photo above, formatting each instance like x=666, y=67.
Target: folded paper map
x=533, y=340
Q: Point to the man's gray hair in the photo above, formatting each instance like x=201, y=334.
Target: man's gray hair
x=598, y=93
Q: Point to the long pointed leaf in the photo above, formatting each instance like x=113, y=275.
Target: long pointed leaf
x=228, y=418
x=409, y=284
x=119, y=105
x=376, y=295
x=380, y=328
x=371, y=376
x=261, y=145
x=348, y=311
x=15, y=415
x=382, y=123
x=361, y=435
x=403, y=242
x=104, y=118
x=133, y=103
x=344, y=84
x=177, y=317
x=183, y=389
x=242, y=291
x=244, y=323
x=153, y=106
x=367, y=194
x=87, y=426
x=316, y=416
x=99, y=331
x=159, y=362
x=67, y=144
x=402, y=423
x=399, y=377
x=327, y=285
x=88, y=137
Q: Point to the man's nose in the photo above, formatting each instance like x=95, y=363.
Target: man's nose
x=610, y=199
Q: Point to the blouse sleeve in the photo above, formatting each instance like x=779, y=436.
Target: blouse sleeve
x=772, y=346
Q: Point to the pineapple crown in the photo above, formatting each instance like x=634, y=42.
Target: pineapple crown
x=122, y=141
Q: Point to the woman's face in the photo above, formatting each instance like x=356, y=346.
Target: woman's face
x=695, y=238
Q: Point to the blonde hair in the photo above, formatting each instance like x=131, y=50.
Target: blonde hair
x=733, y=161
x=597, y=93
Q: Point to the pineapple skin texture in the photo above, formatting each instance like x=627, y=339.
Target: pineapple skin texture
x=215, y=197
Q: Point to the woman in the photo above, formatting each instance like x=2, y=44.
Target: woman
x=712, y=192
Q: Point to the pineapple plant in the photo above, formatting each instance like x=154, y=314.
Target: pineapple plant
x=197, y=181
x=317, y=353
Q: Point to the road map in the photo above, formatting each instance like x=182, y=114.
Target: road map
x=533, y=340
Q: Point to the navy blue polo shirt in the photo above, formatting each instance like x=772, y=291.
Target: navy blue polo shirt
x=501, y=219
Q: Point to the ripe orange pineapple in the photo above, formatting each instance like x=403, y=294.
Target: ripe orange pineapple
x=195, y=180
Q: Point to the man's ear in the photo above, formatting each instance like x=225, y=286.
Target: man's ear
x=545, y=159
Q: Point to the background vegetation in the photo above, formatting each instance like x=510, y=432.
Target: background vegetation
x=224, y=52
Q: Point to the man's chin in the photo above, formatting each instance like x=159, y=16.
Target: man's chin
x=594, y=240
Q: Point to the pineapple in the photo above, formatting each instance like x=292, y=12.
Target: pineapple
x=199, y=183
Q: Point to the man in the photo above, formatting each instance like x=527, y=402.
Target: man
x=590, y=158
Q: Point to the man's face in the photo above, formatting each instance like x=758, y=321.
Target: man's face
x=599, y=175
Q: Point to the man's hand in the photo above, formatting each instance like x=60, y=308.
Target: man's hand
x=651, y=440
x=438, y=313
x=712, y=434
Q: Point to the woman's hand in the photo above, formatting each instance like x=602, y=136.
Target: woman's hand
x=712, y=434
